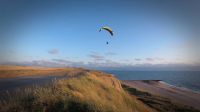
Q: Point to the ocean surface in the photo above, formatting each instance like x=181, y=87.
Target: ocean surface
x=185, y=79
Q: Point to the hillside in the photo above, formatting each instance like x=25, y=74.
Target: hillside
x=86, y=91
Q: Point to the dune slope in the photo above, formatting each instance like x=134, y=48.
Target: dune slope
x=87, y=91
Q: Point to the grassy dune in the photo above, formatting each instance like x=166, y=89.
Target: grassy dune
x=84, y=91
x=89, y=91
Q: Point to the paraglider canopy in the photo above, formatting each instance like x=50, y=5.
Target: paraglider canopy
x=107, y=29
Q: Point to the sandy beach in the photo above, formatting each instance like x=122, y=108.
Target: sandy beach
x=176, y=94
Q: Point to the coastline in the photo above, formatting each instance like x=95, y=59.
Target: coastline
x=175, y=94
x=179, y=87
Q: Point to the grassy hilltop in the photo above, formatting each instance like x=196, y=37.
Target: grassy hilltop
x=85, y=91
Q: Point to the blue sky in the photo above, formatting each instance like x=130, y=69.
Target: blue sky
x=66, y=33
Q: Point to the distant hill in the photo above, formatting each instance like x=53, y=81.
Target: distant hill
x=24, y=71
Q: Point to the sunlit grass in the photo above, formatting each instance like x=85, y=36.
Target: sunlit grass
x=89, y=91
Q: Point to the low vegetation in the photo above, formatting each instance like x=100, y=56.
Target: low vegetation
x=157, y=102
x=82, y=91
x=87, y=91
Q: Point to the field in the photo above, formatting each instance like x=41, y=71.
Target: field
x=25, y=71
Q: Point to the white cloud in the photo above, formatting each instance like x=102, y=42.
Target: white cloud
x=150, y=59
x=110, y=53
x=138, y=59
x=69, y=63
x=107, y=64
x=96, y=56
x=53, y=51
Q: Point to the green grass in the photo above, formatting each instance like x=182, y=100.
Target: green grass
x=89, y=91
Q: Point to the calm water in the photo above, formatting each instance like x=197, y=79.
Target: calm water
x=186, y=79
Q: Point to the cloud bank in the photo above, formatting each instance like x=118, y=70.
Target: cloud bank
x=102, y=62
x=109, y=65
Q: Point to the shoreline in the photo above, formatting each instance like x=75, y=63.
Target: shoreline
x=175, y=94
x=180, y=87
x=171, y=85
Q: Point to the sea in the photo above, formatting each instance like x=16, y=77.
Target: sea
x=185, y=79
